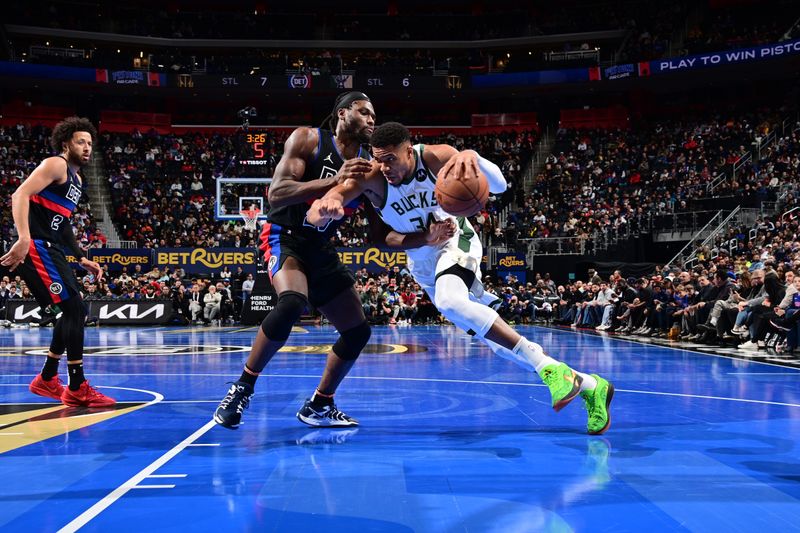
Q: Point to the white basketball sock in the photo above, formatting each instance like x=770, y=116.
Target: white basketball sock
x=534, y=354
x=588, y=383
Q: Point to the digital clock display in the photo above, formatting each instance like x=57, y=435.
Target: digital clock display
x=255, y=145
x=256, y=153
x=253, y=138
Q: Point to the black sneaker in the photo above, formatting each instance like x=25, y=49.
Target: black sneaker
x=229, y=412
x=326, y=416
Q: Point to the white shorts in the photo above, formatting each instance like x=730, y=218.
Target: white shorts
x=427, y=262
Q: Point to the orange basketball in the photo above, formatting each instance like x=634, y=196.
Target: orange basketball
x=461, y=191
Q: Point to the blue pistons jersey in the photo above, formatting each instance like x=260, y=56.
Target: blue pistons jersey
x=325, y=165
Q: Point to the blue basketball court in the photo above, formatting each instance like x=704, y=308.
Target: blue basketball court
x=452, y=438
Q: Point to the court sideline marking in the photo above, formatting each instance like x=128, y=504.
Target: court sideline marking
x=679, y=348
x=120, y=491
x=440, y=380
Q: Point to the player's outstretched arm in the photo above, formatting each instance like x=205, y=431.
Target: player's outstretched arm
x=331, y=206
x=437, y=233
x=49, y=171
x=288, y=189
x=382, y=234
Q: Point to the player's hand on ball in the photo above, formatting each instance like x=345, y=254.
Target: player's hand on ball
x=461, y=188
x=440, y=231
x=465, y=163
x=324, y=210
x=353, y=169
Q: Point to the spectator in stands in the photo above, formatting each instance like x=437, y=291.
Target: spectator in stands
x=226, y=309
x=211, y=305
x=391, y=301
x=247, y=287
x=196, y=302
x=408, y=303
x=371, y=302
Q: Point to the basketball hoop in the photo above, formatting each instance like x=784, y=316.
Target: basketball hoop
x=250, y=217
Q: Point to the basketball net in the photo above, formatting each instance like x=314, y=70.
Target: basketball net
x=250, y=217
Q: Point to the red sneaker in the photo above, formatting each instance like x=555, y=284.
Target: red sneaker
x=49, y=389
x=86, y=396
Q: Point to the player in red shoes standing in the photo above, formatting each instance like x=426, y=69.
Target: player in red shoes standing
x=42, y=207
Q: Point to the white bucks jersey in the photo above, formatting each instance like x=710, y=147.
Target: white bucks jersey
x=411, y=207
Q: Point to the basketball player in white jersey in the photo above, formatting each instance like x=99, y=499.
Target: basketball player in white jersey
x=444, y=255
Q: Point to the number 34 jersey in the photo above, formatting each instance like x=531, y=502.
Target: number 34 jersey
x=411, y=207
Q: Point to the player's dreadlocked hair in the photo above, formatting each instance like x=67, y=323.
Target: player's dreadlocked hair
x=343, y=101
x=63, y=131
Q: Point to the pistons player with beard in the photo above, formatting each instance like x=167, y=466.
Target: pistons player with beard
x=42, y=207
x=302, y=262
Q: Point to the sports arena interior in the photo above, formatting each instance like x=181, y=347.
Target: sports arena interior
x=649, y=232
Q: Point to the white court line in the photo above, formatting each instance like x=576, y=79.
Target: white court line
x=157, y=397
x=676, y=348
x=153, y=487
x=203, y=444
x=165, y=475
x=133, y=482
x=8, y=434
x=762, y=373
x=458, y=381
x=632, y=391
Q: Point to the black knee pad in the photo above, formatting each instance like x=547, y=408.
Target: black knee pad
x=280, y=320
x=352, y=341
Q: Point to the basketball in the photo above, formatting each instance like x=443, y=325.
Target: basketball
x=461, y=190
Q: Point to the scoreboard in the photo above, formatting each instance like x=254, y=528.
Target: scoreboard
x=304, y=82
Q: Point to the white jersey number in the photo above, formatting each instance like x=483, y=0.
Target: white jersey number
x=56, y=222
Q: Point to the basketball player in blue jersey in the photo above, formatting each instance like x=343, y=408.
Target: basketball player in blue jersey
x=303, y=264
x=42, y=207
x=444, y=254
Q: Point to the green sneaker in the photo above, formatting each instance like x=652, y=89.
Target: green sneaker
x=563, y=382
x=597, y=401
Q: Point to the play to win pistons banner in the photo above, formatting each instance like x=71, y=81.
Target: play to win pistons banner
x=727, y=57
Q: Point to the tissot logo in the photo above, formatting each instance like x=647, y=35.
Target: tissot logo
x=130, y=311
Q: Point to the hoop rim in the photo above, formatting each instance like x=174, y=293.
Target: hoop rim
x=250, y=214
x=250, y=217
